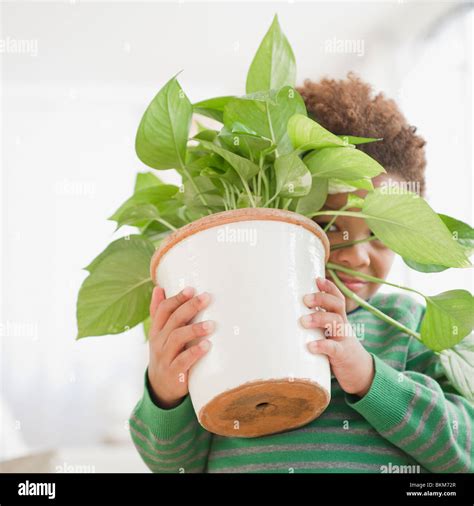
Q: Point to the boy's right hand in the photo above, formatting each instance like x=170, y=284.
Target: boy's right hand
x=170, y=332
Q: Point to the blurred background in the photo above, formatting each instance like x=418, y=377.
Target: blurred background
x=75, y=79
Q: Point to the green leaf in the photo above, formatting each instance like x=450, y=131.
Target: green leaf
x=244, y=201
x=460, y=231
x=199, y=163
x=248, y=145
x=200, y=127
x=342, y=163
x=139, y=215
x=306, y=134
x=206, y=135
x=315, y=199
x=449, y=318
x=350, y=139
x=344, y=186
x=217, y=178
x=145, y=180
x=212, y=107
x=355, y=201
x=241, y=128
x=427, y=268
x=406, y=224
x=458, y=365
x=244, y=168
x=273, y=66
x=293, y=178
x=146, y=328
x=156, y=231
x=201, y=185
x=159, y=196
x=116, y=295
x=269, y=116
x=217, y=164
x=116, y=246
x=164, y=129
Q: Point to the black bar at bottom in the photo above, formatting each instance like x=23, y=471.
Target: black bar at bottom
x=237, y=489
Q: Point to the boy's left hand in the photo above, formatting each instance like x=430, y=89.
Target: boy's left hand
x=351, y=363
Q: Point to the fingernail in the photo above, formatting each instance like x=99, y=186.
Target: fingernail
x=188, y=291
x=313, y=345
x=205, y=345
x=204, y=297
x=306, y=319
x=208, y=325
x=309, y=298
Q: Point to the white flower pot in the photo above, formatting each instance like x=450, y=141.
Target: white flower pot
x=258, y=377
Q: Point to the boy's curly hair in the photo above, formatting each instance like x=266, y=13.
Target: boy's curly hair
x=348, y=107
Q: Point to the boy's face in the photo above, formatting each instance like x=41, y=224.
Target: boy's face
x=370, y=257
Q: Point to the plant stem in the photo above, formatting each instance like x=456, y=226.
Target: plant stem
x=233, y=193
x=337, y=213
x=230, y=195
x=371, y=308
x=259, y=177
x=254, y=184
x=268, y=202
x=226, y=198
x=166, y=224
x=269, y=119
x=203, y=200
x=353, y=243
x=249, y=193
x=329, y=224
x=267, y=186
x=367, y=277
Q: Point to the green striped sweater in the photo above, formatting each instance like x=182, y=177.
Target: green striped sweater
x=411, y=420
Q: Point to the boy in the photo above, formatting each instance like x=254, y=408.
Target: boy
x=387, y=413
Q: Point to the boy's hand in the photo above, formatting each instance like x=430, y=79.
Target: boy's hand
x=351, y=363
x=170, y=332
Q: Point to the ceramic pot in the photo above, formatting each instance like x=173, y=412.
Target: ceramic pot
x=258, y=377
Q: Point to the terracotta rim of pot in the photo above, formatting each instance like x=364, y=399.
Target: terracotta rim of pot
x=233, y=216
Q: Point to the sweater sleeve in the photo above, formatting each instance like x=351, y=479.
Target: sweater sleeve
x=420, y=415
x=169, y=440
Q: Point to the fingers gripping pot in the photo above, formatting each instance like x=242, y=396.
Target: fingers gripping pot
x=258, y=377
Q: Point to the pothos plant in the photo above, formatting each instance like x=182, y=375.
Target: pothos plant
x=268, y=153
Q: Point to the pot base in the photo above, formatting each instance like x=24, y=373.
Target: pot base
x=260, y=408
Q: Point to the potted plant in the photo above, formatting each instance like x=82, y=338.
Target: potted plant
x=240, y=227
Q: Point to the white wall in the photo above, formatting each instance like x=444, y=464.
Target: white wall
x=69, y=116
